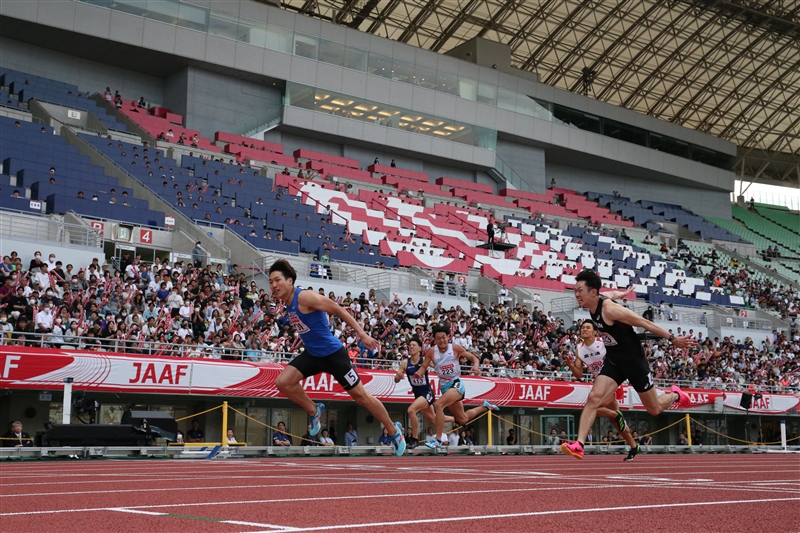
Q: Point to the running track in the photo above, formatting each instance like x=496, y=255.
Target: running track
x=669, y=493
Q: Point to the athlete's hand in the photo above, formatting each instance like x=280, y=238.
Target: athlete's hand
x=569, y=358
x=369, y=342
x=418, y=375
x=476, y=371
x=684, y=342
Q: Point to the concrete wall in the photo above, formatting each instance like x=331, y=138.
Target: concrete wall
x=89, y=76
x=527, y=161
x=216, y=102
x=702, y=201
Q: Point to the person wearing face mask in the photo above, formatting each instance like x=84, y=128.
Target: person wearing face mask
x=44, y=319
x=51, y=262
x=50, y=297
x=36, y=262
x=5, y=329
x=56, y=339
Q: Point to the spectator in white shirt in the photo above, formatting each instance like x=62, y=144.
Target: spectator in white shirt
x=43, y=277
x=51, y=263
x=44, y=319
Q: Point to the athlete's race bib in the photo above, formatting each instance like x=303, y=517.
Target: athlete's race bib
x=447, y=371
x=595, y=368
x=298, y=324
x=418, y=382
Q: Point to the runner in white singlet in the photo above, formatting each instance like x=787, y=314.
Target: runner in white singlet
x=590, y=355
x=444, y=358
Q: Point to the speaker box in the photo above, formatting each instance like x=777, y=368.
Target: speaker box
x=746, y=401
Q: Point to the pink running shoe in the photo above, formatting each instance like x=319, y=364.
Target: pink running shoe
x=572, y=448
x=683, y=400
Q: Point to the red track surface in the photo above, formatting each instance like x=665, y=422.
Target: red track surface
x=670, y=493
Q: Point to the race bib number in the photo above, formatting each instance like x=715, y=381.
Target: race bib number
x=447, y=371
x=417, y=382
x=595, y=368
x=298, y=324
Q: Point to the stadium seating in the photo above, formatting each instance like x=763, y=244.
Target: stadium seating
x=644, y=211
x=27, y=86
x=781, y=216
x=788, y=241
x=29, y=153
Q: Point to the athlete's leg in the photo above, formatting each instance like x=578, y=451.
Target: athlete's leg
x=473, y=413
x=373, y=405
x=429, y=414
x=452, y=399
x=418, y=405
x=611, y=409
x=656, y=404
x=288, y=383
x=601, y=388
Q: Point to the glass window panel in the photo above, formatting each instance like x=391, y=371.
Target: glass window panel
x=101, y=3
x=542, y=109
x=163, y=10
x=306, y=46
x=506, y=99
x=192, y=17
x=279, y=39
x=134, y=7
x=402, y=71
x=331, y=52
x=253, y=32
x=355, y=59
x=380, y=65
x=487, y=94
x=223, y=25
x=425, y=77
x=446, y=82
x=526, y=105
x=468, y=88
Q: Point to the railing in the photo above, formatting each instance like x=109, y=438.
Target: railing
x=37, y=228
x=194, y=350
x=508, y=173
x=352, y=274
x=407, y=282
x=758, y=324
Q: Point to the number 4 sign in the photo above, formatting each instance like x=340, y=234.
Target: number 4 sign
x=146, y=236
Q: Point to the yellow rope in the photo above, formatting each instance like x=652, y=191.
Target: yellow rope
x=738, y=440
x=198, y=414
x=301, y=439
x=610, y=442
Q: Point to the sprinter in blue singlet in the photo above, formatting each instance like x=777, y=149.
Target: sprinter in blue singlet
x=308, y=312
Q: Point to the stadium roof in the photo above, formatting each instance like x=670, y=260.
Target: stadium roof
x=730, y=68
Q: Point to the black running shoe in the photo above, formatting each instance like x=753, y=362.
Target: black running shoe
x=632, y=453
x=620, y=420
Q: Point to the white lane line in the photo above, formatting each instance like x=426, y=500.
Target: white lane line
x=230, y=487
x=134, y=511
x=560, y=486
x=256, y=524
x=235, y=522
x=539, y=513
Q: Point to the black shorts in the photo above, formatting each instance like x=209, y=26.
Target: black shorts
x=636, y=372
x=428, y=397
x=336, y=364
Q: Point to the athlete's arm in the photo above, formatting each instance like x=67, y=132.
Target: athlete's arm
x=317, y=302
x=425, y=364
x=616, y=313
x=616, y=295
x=459, y=351
x=401, y=371
x=577, y=366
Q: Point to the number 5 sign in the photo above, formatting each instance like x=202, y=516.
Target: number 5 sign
x=146, y=236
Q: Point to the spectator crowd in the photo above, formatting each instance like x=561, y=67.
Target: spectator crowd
x=195, y=310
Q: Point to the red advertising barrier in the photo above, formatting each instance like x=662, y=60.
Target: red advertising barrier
x=40, y=369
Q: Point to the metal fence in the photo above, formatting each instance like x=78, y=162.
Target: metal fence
x=34, y=228
x=241, y=352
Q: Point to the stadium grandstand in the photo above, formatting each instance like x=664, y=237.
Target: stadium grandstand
x=419, y=163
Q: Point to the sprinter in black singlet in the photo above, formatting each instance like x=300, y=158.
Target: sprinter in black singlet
x=625, y=359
